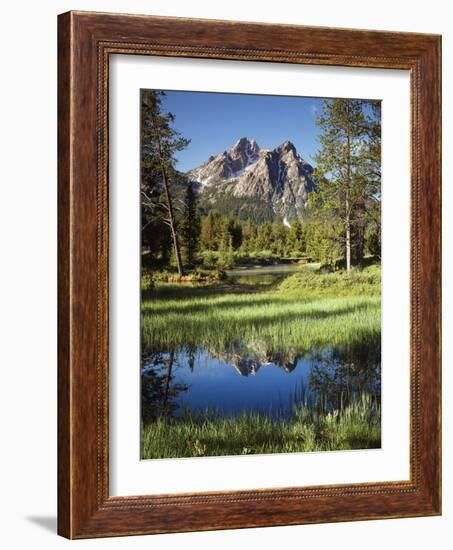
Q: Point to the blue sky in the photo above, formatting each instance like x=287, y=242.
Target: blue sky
x=214, y=122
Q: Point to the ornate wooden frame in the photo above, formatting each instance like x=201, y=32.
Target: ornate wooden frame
x=85, y=41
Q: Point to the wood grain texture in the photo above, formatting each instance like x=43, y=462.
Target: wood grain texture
x=85, y=42
x=64, y=368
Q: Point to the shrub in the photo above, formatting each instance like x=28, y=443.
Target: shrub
x=209, y=259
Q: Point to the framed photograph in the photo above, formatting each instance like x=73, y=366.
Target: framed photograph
x=249, y=275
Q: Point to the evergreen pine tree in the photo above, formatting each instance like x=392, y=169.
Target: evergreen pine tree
x=190, y=234
x=211, y=230
x=339, y=173
x=160, y=141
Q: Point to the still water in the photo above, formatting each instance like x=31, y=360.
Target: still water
x=248, y=377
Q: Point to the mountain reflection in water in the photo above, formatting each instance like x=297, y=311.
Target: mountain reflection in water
x=251, y=378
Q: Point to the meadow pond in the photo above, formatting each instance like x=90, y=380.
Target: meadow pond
x=226, y=367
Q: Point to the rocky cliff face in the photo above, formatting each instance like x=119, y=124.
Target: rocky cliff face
x=278, y=180
x=229, y=164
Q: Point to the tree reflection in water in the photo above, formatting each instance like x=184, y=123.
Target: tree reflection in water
x=341, y=375
x=159, y=390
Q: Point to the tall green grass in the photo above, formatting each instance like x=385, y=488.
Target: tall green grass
x=357, y=426
x=307, y=310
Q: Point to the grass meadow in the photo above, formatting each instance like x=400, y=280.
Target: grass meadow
x=306, y=310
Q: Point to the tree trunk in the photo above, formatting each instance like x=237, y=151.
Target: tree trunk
x=348, y=240
x=348, y=184
x=172, y=221
x=174, y=232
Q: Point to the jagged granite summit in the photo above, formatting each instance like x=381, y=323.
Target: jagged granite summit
x=229, y=164
x=269, y=183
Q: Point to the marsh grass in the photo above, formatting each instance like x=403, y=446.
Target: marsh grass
x=357, y=426
x=304, y=311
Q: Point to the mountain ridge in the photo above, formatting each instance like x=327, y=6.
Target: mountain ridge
x=274, y=181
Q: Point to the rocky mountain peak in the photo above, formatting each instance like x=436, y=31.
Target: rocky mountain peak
x=286, y=147
x=243, y=153
x=245, y=144
x=276, y=180
x=229, y=164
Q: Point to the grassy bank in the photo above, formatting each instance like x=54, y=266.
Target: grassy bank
x=306, y=310
x=357, y=426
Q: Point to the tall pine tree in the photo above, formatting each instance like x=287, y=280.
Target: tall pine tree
x=212, y=230
x=190, y=225
x=160, y=141
x=371, y=166
x=341, y=190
